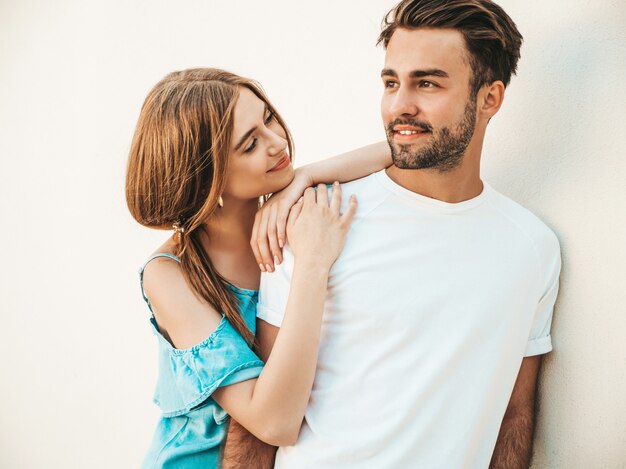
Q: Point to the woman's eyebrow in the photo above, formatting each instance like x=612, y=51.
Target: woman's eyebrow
x=249, y=132
x=244, y=138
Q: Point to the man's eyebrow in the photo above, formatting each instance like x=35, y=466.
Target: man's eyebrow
x=244, y=138
x=431, y=72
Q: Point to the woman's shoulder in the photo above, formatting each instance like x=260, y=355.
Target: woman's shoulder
x=183, y=317
x=163, y=262
x=160, y=269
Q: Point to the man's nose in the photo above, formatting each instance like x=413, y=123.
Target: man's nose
x=404, y=103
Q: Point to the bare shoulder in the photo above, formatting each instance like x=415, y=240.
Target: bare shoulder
x=183, y=317
x=160, y=271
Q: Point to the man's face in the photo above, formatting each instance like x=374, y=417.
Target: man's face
x=426, y=107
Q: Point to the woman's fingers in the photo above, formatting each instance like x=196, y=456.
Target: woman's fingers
x=348, y=215
x=309, y=196
x=266, y=255
x=281, y=225
x=335, y=198
x=272, y=237
x=269, y=232
x=254, y=244
x=294, y=212
x=322, y=195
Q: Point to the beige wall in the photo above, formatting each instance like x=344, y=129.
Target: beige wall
x=78, y=359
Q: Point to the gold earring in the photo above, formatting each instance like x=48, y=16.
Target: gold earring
x=220, y=202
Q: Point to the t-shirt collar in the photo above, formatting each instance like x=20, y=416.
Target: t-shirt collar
x=421, y=200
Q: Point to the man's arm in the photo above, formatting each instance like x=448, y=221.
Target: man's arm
x=514, y=445
x=242, y=449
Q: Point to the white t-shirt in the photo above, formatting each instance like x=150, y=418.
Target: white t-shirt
x=430, y=309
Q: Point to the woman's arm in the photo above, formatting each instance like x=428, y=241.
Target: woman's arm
x=348, y=166
x=271, y=406
x=242, y=449
x=269, y=233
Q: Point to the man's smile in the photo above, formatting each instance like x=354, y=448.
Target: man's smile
x=407, y=133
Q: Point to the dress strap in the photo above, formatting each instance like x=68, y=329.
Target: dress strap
x=158, y=254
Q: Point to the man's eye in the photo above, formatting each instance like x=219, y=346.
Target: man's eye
x=251, y=147
x=390, y=84
x=427, y=84
x=269, y=118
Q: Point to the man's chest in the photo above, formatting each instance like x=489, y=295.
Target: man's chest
x=440, y=271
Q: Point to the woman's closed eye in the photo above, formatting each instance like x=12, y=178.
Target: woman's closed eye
x=268, y=120
x=251, y=147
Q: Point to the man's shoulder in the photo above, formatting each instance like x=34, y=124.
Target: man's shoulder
x=524, y=220
x=361, y=185
x=370, y=194
x=368, y=191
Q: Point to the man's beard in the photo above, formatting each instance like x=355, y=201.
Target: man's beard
x=446, y=148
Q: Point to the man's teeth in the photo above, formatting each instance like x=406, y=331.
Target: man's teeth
x=408, y=132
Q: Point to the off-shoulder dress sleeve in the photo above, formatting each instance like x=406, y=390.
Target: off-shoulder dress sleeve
x=188, y=377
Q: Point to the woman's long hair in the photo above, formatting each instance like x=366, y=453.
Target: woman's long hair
x=177, y=169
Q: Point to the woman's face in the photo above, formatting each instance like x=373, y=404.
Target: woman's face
x=258, y=162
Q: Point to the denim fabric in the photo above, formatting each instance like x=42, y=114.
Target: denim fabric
x=193, y=426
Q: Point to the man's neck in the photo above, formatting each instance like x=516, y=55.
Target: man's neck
x=460, y=184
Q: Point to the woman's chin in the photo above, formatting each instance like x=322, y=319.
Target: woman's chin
x=282, y=179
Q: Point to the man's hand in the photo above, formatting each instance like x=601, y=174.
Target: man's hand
x=515, y=440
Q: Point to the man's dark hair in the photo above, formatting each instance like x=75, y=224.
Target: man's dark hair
x=491, y=37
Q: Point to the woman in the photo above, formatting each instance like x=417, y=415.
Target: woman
x=207, y=146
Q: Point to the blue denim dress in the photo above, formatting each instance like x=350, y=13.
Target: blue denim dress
x=193, y=426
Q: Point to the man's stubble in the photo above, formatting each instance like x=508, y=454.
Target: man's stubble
x=446, y=149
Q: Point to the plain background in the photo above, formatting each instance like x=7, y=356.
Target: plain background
x=78, y=358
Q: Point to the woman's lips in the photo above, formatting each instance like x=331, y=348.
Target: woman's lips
x=282, y=163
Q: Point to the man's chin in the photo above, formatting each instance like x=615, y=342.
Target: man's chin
x=403, y=163
x=407, y=157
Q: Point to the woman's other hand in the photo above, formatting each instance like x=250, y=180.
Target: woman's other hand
x=315, y=227
x=269, y=233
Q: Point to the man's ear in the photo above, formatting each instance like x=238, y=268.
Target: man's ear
x=490, y=99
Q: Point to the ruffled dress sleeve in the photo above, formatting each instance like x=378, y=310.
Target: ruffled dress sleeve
x=188, y=377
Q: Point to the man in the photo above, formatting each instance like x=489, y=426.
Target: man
x=439, y=307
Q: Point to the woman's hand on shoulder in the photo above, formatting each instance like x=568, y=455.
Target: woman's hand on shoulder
x=316, y=229
x=269, y=233
x=183, y=318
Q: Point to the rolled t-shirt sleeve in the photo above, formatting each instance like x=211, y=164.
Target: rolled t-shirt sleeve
x=540, y=340
x=274, y=290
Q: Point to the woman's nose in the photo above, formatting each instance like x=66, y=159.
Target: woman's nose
x=278, y=144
